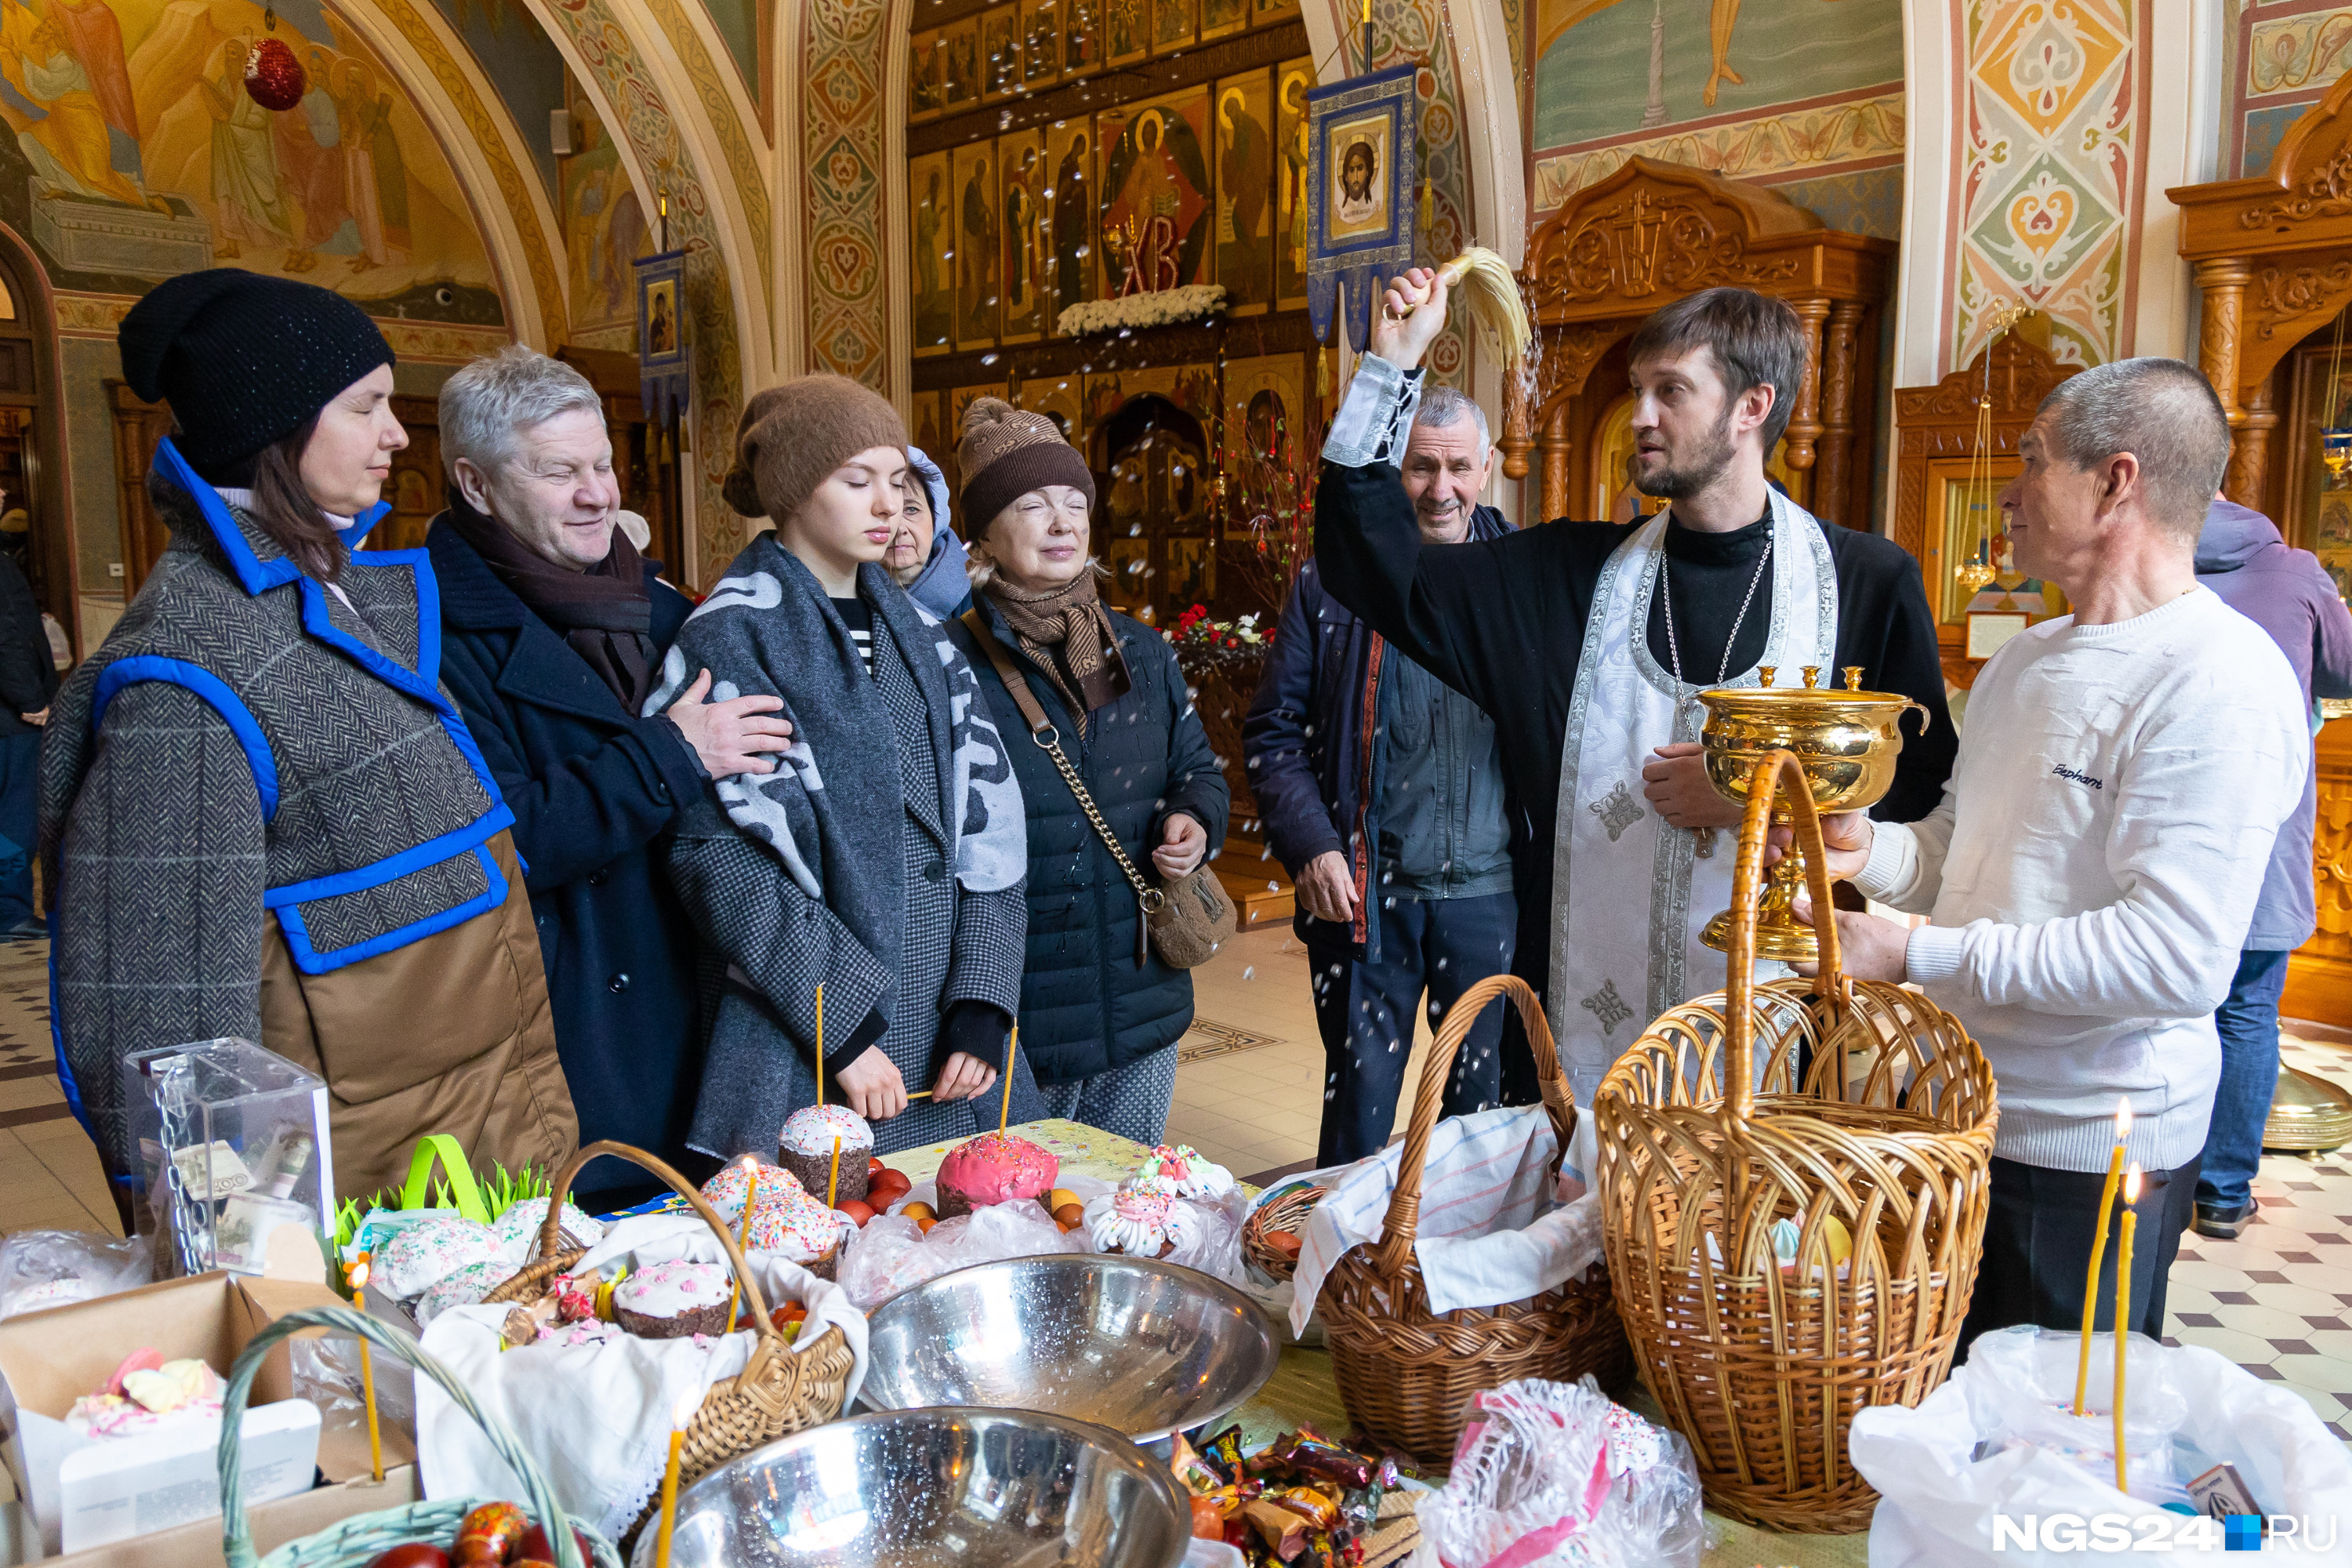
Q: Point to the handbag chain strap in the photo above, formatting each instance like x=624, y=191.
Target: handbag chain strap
x=1048, y=739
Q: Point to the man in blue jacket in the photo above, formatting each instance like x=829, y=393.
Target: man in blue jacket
x=2287, y=592
x=553, y=630
x=1383, y=792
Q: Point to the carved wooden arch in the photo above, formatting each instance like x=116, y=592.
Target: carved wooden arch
x=1652, y=233
x=2274, y=256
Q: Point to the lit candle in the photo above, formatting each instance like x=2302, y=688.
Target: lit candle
x=820, y=1042
x=2099, y=1247
x=367, y=1376
x=743, y=1234
x=2123, y=1314
x=1011, y=1049
x=688, y=1403
x=832, y=1183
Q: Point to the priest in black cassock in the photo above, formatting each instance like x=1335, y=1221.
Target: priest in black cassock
x=1588, y=642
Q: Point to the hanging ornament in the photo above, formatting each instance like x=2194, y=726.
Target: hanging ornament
x=273, y=76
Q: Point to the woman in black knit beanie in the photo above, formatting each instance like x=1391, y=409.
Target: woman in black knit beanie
x=261, y=814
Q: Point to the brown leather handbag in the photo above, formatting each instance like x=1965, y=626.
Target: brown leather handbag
x=1185, y=921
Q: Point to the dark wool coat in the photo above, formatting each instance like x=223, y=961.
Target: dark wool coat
x=593, y=789
x=1085, y=1007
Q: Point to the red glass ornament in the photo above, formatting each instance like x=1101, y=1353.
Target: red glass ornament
x=273, y=76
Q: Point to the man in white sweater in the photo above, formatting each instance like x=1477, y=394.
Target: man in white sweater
x=2094, y=865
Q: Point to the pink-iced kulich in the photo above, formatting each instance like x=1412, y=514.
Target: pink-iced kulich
x=994, y=1168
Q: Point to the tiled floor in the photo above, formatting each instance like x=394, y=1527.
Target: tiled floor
x=2278, y=1300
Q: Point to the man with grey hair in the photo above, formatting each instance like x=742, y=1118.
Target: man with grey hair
x=553, y=630
x=2094, y=865
x=1383, y=792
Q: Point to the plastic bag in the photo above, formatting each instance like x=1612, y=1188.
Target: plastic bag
x=891, y=1253
x=42, y=1268
x=1559, y=1477
x=1939, y=1500
x=1214, y=1246
x=2022, y=1393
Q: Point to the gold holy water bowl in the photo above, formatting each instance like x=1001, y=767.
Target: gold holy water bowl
x=1846, y=741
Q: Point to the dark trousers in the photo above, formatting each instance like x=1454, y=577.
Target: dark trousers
x=20, y=799
x=1364, y=1011
x=2248, y=1024
x=2037, y=1249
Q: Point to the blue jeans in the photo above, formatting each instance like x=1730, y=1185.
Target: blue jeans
x=20, y=799
x=1364, y=1013
x=2248, y=1023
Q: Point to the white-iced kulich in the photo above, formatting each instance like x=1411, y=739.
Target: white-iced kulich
x=2093, y=867
x=1630, y=894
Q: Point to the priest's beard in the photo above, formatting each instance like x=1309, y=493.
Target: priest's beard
x=1688, y=474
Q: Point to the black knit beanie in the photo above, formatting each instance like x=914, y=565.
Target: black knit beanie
x=244, y=359
x=1005, y=453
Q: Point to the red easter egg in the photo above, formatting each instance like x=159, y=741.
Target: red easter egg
x=273, y=76
x=535, y=1547
x=874, y=1164
x=414, y=1554
x=856, y=1210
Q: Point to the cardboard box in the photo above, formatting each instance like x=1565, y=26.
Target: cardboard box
x=198, y=1544
x=48, y=1359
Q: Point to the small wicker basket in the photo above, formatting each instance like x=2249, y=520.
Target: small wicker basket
x=358, y=1541
x=1286, y=1212
x=1873, y=1114
x=780, y=1390
x=1406, y=1373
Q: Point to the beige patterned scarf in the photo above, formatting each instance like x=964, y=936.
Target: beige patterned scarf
x=1069, y=635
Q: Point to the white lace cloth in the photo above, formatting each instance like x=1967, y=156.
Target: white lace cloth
x=597, y=1417
x=1490, y=1230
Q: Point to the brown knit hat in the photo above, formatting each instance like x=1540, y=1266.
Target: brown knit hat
x=792, y=436
x=1005, y=454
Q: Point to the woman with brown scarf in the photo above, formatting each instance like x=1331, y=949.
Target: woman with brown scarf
x=1100, y=1014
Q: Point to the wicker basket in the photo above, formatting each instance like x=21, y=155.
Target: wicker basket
x=1406, y=1373
x=1873, y=1108
x=779, y=1391
x=358, y=1541
x=1288, y=1213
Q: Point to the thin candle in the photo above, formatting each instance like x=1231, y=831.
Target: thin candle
x=832, y=1183
x=820, y=1042
x=2098, y=1248
x=1011, y=1049
x=686, y=1404
x=2122, y=1315
x=744, y=1235
x=367, y=1378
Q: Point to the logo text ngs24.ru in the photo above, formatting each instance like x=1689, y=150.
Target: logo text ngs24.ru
x=2311, y=1536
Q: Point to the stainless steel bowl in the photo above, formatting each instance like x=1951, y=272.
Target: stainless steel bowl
x=1134, y=1344
x=932, y=1488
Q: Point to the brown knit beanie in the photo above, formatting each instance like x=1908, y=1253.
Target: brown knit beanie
x=792, y=436
x=1005, y=454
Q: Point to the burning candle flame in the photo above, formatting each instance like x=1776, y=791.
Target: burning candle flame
x=2122, y=1120
x=2131, y=1186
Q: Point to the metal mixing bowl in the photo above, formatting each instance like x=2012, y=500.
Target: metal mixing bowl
x=932, y=1488
x=1134, y=1344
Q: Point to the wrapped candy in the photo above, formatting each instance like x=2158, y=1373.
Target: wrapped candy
x=1283, y=1531
x=1194, y=1473
x=1319, y=1509
x=1224, y=1453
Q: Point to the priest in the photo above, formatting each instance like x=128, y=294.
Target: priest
x=1588, y=643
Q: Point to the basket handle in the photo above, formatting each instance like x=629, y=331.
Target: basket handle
x=551, y=1233
x=236, y=1537
x=1787, y=776
x=1559, y=1102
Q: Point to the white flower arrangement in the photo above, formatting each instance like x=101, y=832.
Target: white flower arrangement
x=1163, y=308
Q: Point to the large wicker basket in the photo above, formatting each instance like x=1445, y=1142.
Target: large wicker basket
x=779, y=1391
x=1873, y=1108
x=1406, y=1373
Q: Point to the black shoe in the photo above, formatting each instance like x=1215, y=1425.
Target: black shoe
x=2223, y=1223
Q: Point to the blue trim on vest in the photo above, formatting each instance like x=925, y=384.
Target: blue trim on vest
x=66, y=1079
x=310, y=961
x=363, y=524
x=392, y=868
x=253, y=574
x=240, y=719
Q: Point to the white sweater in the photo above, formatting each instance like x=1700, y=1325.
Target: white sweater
x=2093, y=867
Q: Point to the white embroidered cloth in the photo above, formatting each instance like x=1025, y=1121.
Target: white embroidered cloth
x=1489, y=1230
x=597, y=1417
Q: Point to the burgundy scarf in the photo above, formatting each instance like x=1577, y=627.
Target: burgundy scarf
x=603, y=613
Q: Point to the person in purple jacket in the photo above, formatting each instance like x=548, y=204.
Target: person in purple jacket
x=2286, y=592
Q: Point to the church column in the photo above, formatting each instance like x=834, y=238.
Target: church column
x=1554, y=447
x=2224, y=280
x=1833, y=480
x=2250, y=452
x=1804, y=421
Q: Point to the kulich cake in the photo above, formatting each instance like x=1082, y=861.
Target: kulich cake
x=725, y=1191
x=425, y=1253
x=673, y=1300
x=805, y=1149
x=462, y=1287
x=1141, y=1219
x=786, y=1220
x=995, y=1168
x=518, y=1228
x=1191, y=1175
